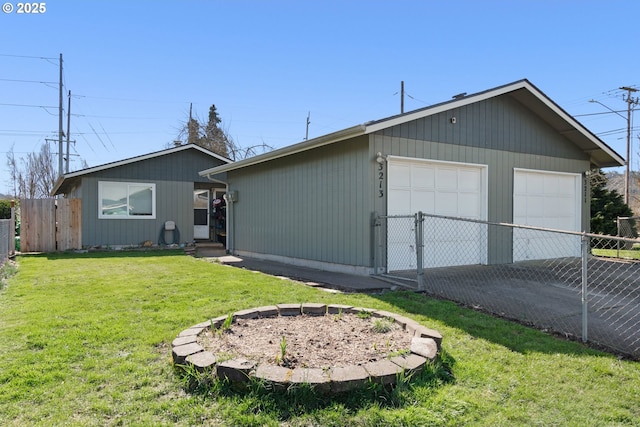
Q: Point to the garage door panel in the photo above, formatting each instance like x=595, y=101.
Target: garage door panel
x=567, y=185
x=457, y=190
x=519, y=182
x=401, y=174
x=535, y=184
x=519, y=207
x=470, y=180
x=423, y=177
x=549, y=200
x=468, y=206
x=559, y=223
x=447, y=179
x=535, y=206
x=560, y=207
x=550, y=185
x=422, y=200
x=399, y=201
x=447, y=203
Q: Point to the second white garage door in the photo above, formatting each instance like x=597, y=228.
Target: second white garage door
x=440, y=188
x=548, y=200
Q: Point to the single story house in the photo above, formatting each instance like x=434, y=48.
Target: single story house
x=157, y=197
x=508, y=154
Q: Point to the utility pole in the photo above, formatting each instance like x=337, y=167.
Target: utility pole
x=68, y=133
x=402, y=97
x=60, y=131
x=306, y=138
x=631, y=102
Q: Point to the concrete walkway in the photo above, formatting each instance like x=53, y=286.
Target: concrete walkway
x=312, y=277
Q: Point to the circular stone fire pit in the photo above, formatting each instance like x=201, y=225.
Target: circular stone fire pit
x=283, y=367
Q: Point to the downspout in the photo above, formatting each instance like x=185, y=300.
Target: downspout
x=230, y=199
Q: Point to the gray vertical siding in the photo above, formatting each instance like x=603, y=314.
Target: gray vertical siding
x=174, y=201
x=317, y=205
x=311, y=205
x=499, y=133
x=175, y=176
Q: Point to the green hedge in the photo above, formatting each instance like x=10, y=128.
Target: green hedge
x=5, y=209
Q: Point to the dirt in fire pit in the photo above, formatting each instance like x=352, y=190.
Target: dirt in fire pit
x=332, y=340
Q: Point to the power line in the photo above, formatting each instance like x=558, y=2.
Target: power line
x=27, y=105
x=119, y=118
x=599, y=114
x=27, y=56
x=154, y=101
x=28, y=81
x=612, y=132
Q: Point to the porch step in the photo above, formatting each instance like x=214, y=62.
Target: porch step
x=208, y=250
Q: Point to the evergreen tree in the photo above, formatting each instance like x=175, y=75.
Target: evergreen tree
x=5, y=209
x=214, y=138
x=606, y=205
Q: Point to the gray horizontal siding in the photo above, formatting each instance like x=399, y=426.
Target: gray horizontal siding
x=309, y=206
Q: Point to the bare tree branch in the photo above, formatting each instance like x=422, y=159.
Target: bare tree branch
x=34, y=176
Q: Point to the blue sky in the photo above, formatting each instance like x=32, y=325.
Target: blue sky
x=134, y=67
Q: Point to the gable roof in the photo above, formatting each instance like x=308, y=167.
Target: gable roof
x=523, y=91
x=69, y=176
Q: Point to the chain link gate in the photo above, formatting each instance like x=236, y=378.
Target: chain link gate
x=399, y=247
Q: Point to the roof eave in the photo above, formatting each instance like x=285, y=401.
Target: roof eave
x=601, y=146
x=145, y=157
x=64, y=178
x=57, y=185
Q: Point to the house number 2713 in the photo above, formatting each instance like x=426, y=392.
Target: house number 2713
x=380, y=180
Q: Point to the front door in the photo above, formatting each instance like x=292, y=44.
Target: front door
x=201, y=214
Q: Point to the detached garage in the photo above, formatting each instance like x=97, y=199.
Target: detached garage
x=509, y=154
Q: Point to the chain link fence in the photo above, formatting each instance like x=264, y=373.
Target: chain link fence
x=5, y=240
x=574, y=284
x=627, y=227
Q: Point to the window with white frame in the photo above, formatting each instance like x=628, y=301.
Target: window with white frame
x=126, y=200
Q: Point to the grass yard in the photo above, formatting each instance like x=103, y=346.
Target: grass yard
x=614, y=253
x=85, y=340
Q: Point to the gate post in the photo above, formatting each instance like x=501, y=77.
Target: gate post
x=12, y=230
x=419, y=249
x=585, y=288
x=618, y=234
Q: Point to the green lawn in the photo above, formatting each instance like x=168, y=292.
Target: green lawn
x=85, y=340
x=614, y=253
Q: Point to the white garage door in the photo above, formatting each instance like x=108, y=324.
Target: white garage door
x=440, y=188
x=549, y=200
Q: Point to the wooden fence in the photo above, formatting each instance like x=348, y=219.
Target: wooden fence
x=49, y=225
